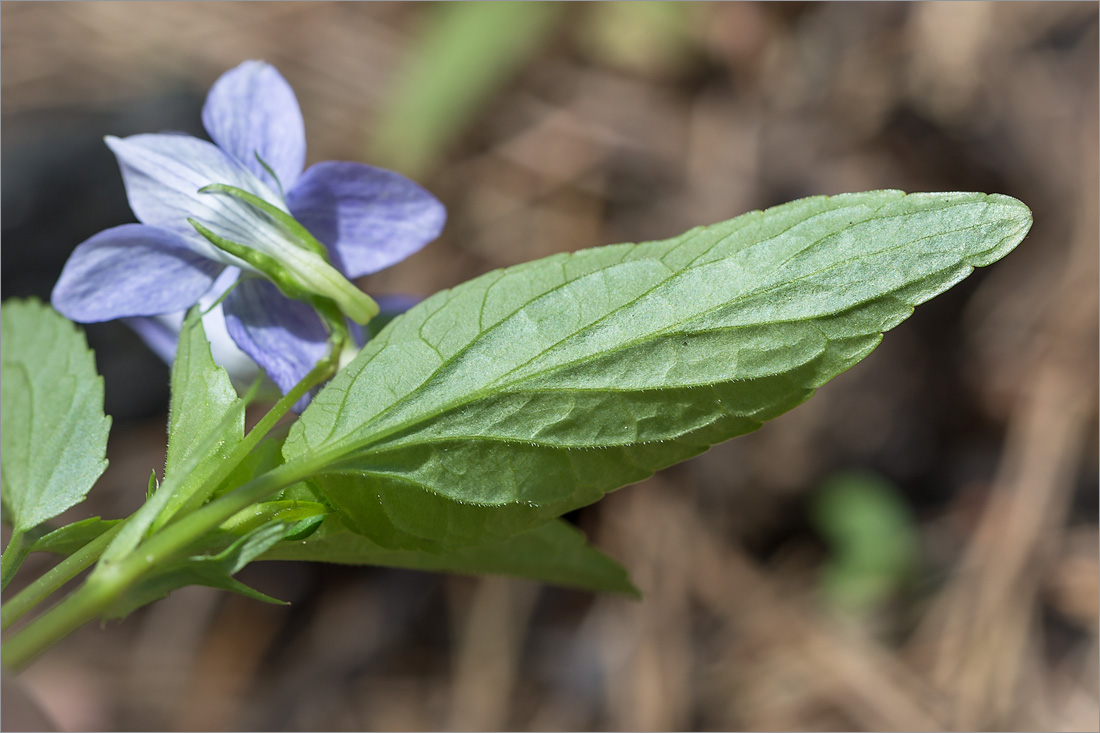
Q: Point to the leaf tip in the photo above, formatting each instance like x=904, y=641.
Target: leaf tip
x=1012, y=220
x=629, y=590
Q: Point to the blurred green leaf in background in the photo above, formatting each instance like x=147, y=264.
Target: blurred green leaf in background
x=464, y=53
x=871, y=536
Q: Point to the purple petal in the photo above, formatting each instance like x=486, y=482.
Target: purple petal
x=131, y=270
x=369, y=218
x=163, y=175
x=251, y=109
x=285, y=337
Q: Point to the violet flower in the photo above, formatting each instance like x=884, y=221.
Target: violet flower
x=242, y=208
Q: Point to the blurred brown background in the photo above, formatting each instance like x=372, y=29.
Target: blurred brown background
x=915, y=548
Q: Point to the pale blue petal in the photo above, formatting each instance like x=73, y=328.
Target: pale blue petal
x=161, y=333
x=285, y=337
x=369, y=218
x=131, y=270
x=251, y=109
x=163, y=175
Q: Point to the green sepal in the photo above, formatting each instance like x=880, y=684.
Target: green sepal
x=264, y=263
x=271, y=172
x=287, y=512
x=287, y=223
x=307, y=278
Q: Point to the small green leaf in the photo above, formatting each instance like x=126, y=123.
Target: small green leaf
x=305, y=528
x=70, y=538
x=205, y=422
x=53, y=433
x=531, y=391
x=136, y=528
x=555, y=553
x=202, y=397
x=202, y=394
x=214, y=571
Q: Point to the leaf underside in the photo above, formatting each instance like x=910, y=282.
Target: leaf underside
x=555, y=552
x=527, y=392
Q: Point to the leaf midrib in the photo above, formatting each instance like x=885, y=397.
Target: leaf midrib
x=501, y=321
x=357, y=442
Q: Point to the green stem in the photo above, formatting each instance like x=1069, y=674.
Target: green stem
x=321, y=372
x=108, y=582
x=54, y=578
x=84, y=604
x=19, y=546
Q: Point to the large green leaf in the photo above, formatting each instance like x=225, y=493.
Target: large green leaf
x=554, y=553
x=530, y=391
x=53, y=433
